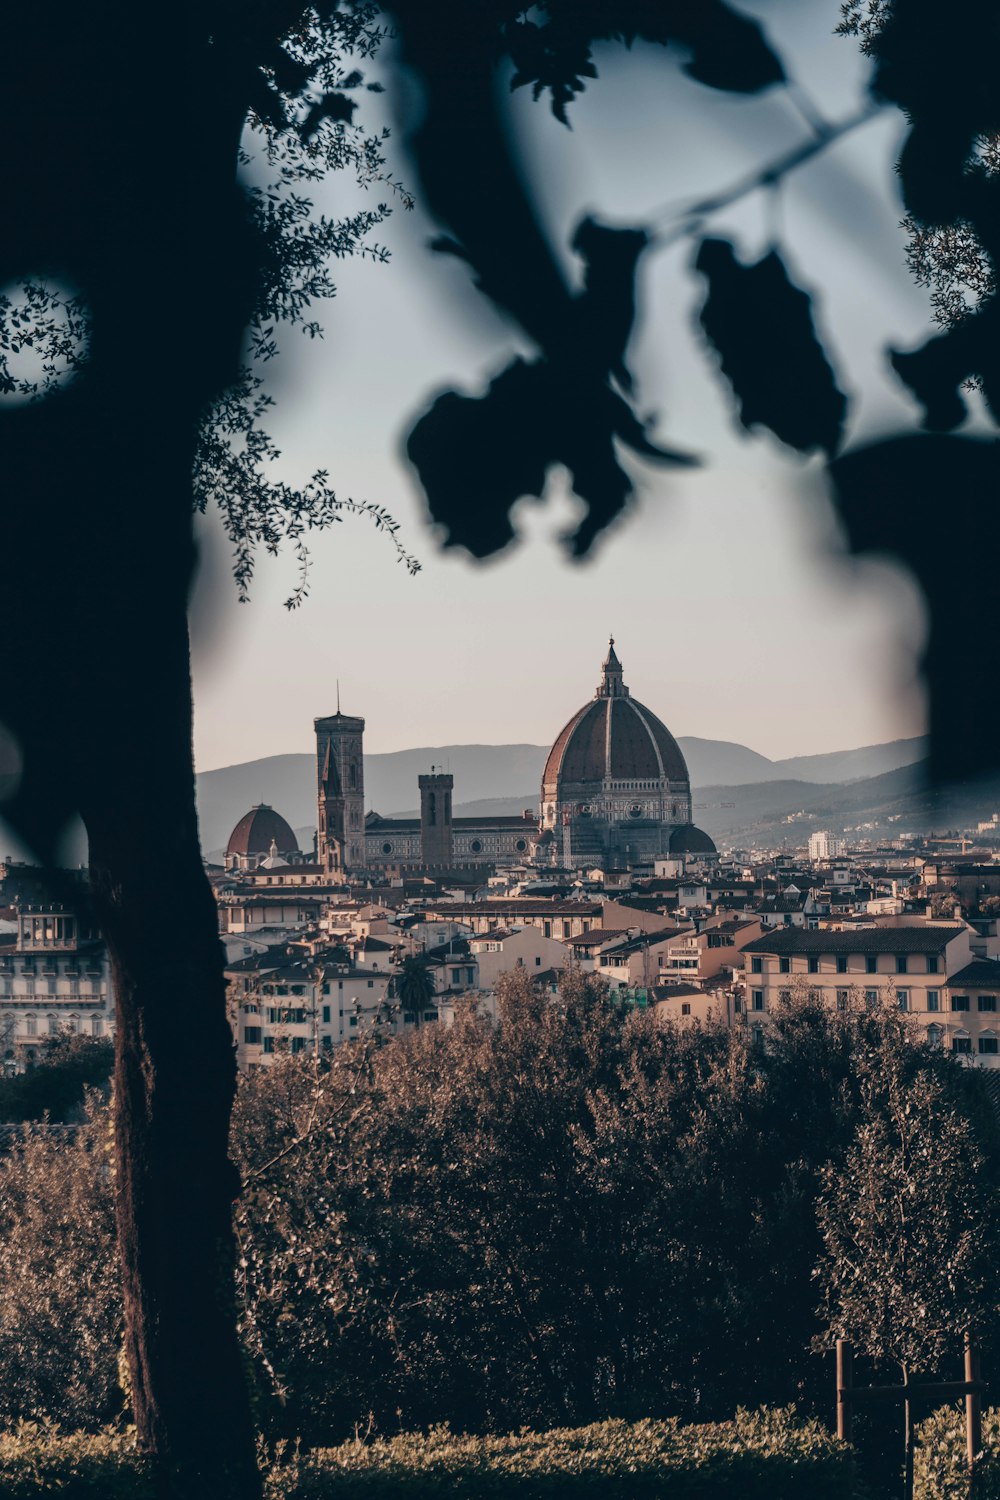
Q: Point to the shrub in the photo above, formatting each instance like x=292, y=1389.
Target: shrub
x=940, y=1471
x=60, y=1299
x=36, y=1460
x=766, y=1455
x=55, y=1084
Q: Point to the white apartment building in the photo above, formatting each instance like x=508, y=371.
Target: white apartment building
x=55, y=980
x=823, y=846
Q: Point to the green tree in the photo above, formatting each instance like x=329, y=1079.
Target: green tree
x=60, y=1288
x=907, y=1217
x=414, y=986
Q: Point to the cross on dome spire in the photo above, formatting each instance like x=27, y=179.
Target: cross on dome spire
x=611, y=684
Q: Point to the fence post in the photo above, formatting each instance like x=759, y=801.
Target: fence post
x=973, y=1402
x=845, y=1380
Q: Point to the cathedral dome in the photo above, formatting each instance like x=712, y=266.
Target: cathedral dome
x=612, y=738
x=257, y=830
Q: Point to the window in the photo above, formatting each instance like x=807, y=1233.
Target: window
x=53, y=1023
x=31, y=1025
x=29, y=987
x=758, y=999
x=933, y=963
x=933, y=1000
x=96, y=1026
x=813, y=964
x=430, y=1015
x=757, y=1035
x=900, y=963
x=538, y=965
x=959, y=1002
x=456, y=976
x=987, y=1002
x=871, y=963
x=371, y=984
x=841, y=999
x=903, y=999
x=756, y=966
x=354, y=1020
x=934, y=1035
x=987, y=1045
x=251, y=1036
x=298, y=1043
x=470, y=976
x=841, y=963
x=961, y=1044
x=51, y=985
x=269, y=1044
x=409, y=1015
x=785, y=996
x=871, y=999
x=326, y=1015
x=686, y=1011
x=784, y=965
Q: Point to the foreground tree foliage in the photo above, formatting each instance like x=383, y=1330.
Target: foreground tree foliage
x=562, y=1216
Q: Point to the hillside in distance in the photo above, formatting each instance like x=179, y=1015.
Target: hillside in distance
x=505, y=779
x=875, y=807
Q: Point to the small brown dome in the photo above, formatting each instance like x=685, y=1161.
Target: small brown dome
x=257, y=830
x=691, y=840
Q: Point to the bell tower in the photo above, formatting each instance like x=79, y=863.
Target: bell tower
x=340, y=793
x=437, y=845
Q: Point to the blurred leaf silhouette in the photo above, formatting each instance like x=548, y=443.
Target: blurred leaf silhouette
x=761, y=326
x=536, y=415
x=881, y=493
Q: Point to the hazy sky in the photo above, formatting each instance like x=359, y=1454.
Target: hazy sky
x=731, y=617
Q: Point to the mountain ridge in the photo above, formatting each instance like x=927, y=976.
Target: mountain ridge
x=499, y=774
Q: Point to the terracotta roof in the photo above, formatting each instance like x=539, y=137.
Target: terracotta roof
x=257, y=828
x=791, y=940
x=981, y=974
x=613, y=736
x=596, y=936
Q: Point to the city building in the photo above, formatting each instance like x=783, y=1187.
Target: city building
x=823, y=846
x=54, y=980
x=923, y=968
x=615, y=789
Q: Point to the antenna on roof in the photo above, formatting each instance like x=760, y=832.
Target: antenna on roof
x=338, y=695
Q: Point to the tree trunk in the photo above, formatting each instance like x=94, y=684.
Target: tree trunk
x=175, y=1078
x=907, y=1442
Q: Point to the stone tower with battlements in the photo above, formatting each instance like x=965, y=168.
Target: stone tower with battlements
x=436, y=839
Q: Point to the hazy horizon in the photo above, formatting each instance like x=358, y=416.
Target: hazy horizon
x=546, y=744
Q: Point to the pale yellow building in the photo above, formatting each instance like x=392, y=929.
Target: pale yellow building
x=926, y=969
